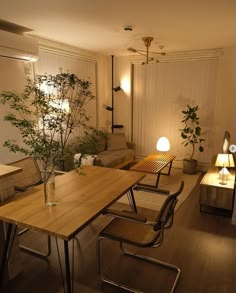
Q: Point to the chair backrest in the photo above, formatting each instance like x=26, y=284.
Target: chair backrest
x=165, y=216
x=29, y=176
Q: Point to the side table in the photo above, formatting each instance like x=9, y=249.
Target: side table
x=215, y=197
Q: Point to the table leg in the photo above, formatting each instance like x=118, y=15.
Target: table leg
x=132, y=200
x=67, y=267
x=157, y=180
x=169, y=169
x=152, y=188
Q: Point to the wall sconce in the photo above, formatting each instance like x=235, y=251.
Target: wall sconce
x=118, y=88
x=163, y=144
x=108, y=108
x=224, y=161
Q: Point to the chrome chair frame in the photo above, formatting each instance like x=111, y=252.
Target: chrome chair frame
x=22, y=185
x=163, y=221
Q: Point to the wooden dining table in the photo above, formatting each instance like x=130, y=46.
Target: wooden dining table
x=6, y=170
x=80, y=199
x=6, y=185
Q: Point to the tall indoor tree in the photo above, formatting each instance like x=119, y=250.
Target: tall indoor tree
x=46, y=113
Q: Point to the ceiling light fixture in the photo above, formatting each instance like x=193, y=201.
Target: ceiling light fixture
x=146, y=53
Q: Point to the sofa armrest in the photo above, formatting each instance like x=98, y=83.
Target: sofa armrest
x=97, y=162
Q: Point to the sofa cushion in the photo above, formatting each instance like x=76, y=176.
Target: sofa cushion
x=107, y=161
x=86, y=159
x=116, y=141
x=112, y=158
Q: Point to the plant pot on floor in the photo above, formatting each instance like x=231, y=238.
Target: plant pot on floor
x=189, y=166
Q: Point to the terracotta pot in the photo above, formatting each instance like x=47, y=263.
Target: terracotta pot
x=189, y=166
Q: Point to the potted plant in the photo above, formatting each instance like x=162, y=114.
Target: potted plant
x=191, y=135
x=46, y=114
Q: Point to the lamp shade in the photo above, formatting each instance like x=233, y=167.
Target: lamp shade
x=224, y=160
x=163, y=144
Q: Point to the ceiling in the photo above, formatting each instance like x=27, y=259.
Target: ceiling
x=98, y=25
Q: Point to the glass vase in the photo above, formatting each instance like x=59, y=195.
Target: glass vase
x=49, y=188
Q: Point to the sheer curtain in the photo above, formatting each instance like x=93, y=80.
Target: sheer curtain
x=161, y=91
x=54, y=63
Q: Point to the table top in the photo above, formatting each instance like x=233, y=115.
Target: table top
x=211, y=178
x=81, y=198
x=154, y=163
x=6, y=170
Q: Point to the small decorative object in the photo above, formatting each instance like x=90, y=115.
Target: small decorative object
x=163, y=144
x=191, y=134
x=49, y=188
x=224, y=161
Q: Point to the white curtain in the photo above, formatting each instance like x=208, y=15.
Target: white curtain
x=54, y=63
x=161, y=91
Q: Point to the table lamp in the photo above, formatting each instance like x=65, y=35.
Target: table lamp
x=163, y=144
x=224, y=161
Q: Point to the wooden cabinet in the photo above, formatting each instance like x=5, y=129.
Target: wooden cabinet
x=215, y=195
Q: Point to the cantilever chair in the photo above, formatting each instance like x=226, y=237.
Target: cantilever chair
x=147, y=234
x=29, y=177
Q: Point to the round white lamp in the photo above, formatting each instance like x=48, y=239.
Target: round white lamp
x=163, y=144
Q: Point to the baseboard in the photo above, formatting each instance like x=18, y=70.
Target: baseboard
x=200, y=167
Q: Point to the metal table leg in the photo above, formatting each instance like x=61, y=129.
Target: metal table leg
x=131, y=199
x=67, y=267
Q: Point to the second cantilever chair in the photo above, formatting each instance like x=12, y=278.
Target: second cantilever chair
x=29, y=177
x=134, y=229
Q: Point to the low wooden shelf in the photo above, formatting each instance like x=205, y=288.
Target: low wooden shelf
x=215, y=195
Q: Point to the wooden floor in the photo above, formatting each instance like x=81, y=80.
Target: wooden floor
x=202, y=245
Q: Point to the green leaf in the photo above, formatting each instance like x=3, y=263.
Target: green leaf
x=198, y=131
x=191, y=133
x=201, y=149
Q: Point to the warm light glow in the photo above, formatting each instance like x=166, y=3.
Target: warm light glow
x=51, y=92
x=30, y=58
x=125, y=84
x=224, y=160
x=163, y=144
x=61, y=104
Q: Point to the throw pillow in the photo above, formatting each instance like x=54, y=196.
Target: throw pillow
x=85, y=160
x=116, y=141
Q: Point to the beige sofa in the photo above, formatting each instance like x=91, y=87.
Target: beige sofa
x=112, y=151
